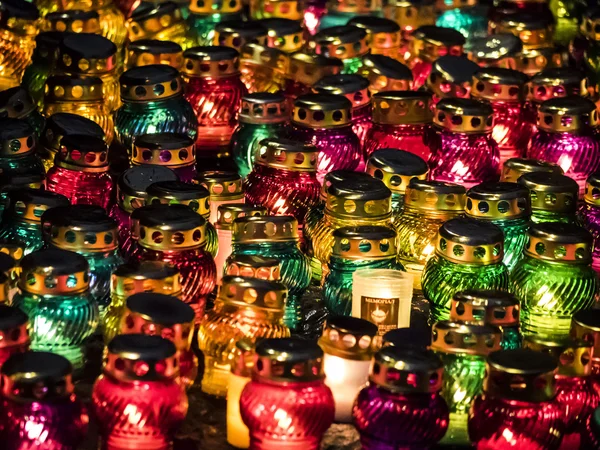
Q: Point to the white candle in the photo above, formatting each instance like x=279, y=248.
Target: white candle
x=224, y=252
x=345, y=378
x=238, y=434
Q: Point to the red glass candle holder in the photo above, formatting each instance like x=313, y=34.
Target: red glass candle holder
x=175, y=151
x=13, y=326
x=305, y=70
x=138, y=400
x=287, y=404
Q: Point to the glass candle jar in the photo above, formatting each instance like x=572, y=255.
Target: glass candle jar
x=341, y=12
x=21, y=222
x=346, y=42
x=589, y=215
x=554, y=83
x=497, y=50
x=284, y=178
x=535, y=29
x=277, y=237
x=356, y=248
x=153, y=102
x=404, y=386
x=224, y=188
x=173, y=150
x=348, y=345
x=245, y=308
x=518, y=406
x=463, y=348
x=80, y=171
x=410, y=15
x=507, y=206
x=451, y=77
x=324, y=120
x=385, y=74
x=15, y=182
x=554, y=278
x=266, y=9
x=194, y=197
x=204, y=17
x=401, y=119
x=162, y=315
x=241, y=370
x=283, y=33
x=146, y=52
x=262, y=115
x=43, y=62
x=13, y=325
x=591, y=47
x=253, y=266
x=263, y=68
x=224, y=226
x=553, y=196
x=162, y=21
x=175, y=234
x=567, y=136
x=305, y=70
x=468, y=254
x=356, y=89
x=18, y=149
x=54, y=293
x=585, y=325
x=420, y=221
x=383, y=35
x=215, y=91
x=468, y=17
x=396, y=168
x=463, y=149
x=140, y=380
x=39, y=406
x=73, y=21
x=16, y=103
x=514, y=168
x=237, y=33
x=287, y=381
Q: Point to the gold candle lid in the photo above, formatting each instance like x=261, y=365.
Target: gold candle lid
x=343, y=42
x=193, y=196
x=574, y=356
x=253, y=266
x=339, y=175
x=533, y=60
x=385, y=73
x=28, y=205
x=54, y=272
x=592, y=190
x=589, y=27
x=359, y=198
x=498, y=201
x=17, y=138
x=451, y=76
x=551, y=192
x=496, y=50
x=383, y=35
x=288, y=360
x=557, y=82
x=146, y=52
x=226, y=214
x=498, y=84
x=586, y=325
x=464, y=115
x=146, y=276
x=253, y=55
x=86, y=54
x=16, y=103
x=522, y=375
x=171, y=150
x=407, y=370
x=237, y=33
x=132, y=184
x=514, y=168
x=364, y=242
x=264, y=108
x=211, y=62
x=222, y=185
x=534, y=30
x=74, y=21
x=322, y=111
x=80, y=228
x=82, y=153
x=435, y=196
x=72, y=89
x=396, y=168
x=402, y=108
x=46, y=48
x=150, y=83
x=285, y=9
x=307, y=68
x=255, y=229
x=13, y=249
x=210, y=7
x=470, y=241
x=559, y=242
x=411, y=14
x=287, y=154
x=354, y=87
x=61, y=124
x=349, y=338
x=354, y=6
x=152, y=19
x=168, y=227
x=567, y=114
x=253, y=293
x=13, y=326
x=430, y=42
x=491, y=307
x=284, y=34
x=465, y=338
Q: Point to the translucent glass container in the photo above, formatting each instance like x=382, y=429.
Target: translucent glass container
x=263, y=68
x=553, y=197
x=18, y=154
x=146, y=52
x=172, y=150
x=162, y=21
x=224, y=188
x=589, y=215
x=16, y=103
x=451, y=77
x=345, y=42
x=205, y=16
x=514, y=168
x=14, y=324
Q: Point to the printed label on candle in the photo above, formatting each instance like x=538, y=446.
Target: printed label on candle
x=383, y=312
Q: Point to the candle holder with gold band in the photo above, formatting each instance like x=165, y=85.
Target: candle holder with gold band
x=427, y=205
x=406, y=383
x=534, y=60
x=193, y=196
x=468, y=17
x=567, y=135
x=238, y=33
x=346, y=42
x=177, y=235
x=141, y=374
x=287, y=377
x=590, y=47
x=245, y=308
x=277, y=237
x=13, y=325
x=514, y=168
x=79, y=95
x=263, y=68
x=451, y=77
x=586, y=325
x=507, y=206
x=284, y=34
x=589, y=215
x=206, y=15
x=428, y=44
x=263, y=115
x=463, y=348
x=356, y=248
x=241, y=370
x=17, y=103
x=488, y=307
x=160, y=21
x=468, y=254
x=340, y=12
x=553, y=196
x=146, y=52
x=277, y=9
x=175, y=151
x=401, y=119
x=554, y=278
x=54, y=293
x=162, y=315
x=15, y=182
x=385, y=74
x=43, y=62
x=383, y=35
x=325, y=121
x=224, y=187
x=496, y=50
x=253, y=266
x=21, y=222
x=396, y=168
x=18, y=154
x=462, y=148
x=72, y=21
x=535, y=31
x=519, y=396
x=410, y=15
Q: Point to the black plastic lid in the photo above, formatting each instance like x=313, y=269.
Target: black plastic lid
x=148, y=75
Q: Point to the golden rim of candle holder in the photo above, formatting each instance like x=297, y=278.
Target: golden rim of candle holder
x=28, y=205
x=396, y=168
x=72, y=89
x=354, y=87
x=71, y=61
x=253, y=266
x=260, y=55
x=359, y=198
x=13, y=326
x=497, y=84
x=193, y=196
x=265, y=229
x=364, y=243
x=150, y=83
x=514, y=168
x=146, y=276
x=534, y=32
x=589, y=26
x=147, y=52
x=209, y=7
x=75, y=21
x=307, y=69
x=451, y=76
x=557, y=82
x=533, y=60
x=236, y=34
x=288, y=360
x=264, y=108
x=132, y=184
x=559, y=242
x=551, y=192
x=153, y=21
x=253, y=293
x=322, y=111
x=228, y=213
x=385, y=73
x=382, y=34
x=402, y=108
x=567, y=114
x=349, y=338
x=243, y=358
x=498, y=200
x=465, y=338
x=430, y=42
x=470, y=241
x=491, y=307
x=464, y=115
x=343, y=42
x=591, y=195
x=17, y=138
x=284, y=34
x=82, y=153
x=210, y=62
x=586, y=325
x=281, y=153
x=222, y=185
x=171, y=150
x=574, y=356
x=435, y=196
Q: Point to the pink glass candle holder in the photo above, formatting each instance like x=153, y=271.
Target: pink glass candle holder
x=13, y=326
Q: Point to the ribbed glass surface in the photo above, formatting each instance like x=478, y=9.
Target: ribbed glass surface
x=515, y=237
x=15, y=59
x=102, y=265
x=201, y=29
x=28, y=164
x=37, y=121
x=412, y=138
x=578, y=397
x=95, y=111
x=29, y=235
x=361, y=122
x=589, y=217
x=245, y=140
x=511, y=338
x=34, y=80
x=212, y=240
x=122, y=218
x=513, y=128
x=81, y=188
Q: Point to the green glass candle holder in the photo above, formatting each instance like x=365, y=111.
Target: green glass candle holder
x=346, y=42
x=553, y=196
